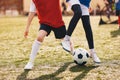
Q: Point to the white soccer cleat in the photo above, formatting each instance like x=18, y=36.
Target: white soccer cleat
x=66, y=44
x=95, y=58
x=29, y=65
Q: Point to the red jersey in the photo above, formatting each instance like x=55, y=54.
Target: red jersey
x=49, y=12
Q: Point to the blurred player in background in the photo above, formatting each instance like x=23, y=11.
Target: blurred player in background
x=108, y=6
x=117, y=4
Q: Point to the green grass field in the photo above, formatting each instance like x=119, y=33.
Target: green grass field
x=52, y=62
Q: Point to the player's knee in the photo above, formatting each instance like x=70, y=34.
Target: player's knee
x=40, y=38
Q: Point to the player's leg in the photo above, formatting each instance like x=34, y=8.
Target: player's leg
x=77, y=15
x=66, y=43
x=75, y=6
x=44, y=30
x=59, y=32
x=108, y=13
x=88, y=31
x=89, y=36
x=118, y=14
x=119, y=21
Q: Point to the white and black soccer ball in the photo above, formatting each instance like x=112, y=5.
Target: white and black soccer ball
x=80, y=56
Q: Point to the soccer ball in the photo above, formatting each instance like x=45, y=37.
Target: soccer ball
x=80, y=56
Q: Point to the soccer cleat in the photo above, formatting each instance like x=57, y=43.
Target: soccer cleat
x=95, y=58
x=29, y=65
x=66, y=44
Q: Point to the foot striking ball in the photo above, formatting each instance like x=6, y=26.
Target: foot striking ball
x=80, y=56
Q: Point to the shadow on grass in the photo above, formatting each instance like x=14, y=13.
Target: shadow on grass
x=23, y=75
x=52, y=76
x=115, y=33
x=83, y=69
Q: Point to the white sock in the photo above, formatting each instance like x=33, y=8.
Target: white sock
x=34, y=51
x=92, y=50
x=67, y=37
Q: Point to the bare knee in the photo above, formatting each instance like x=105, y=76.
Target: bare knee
x=41, y=35
x=40, y=38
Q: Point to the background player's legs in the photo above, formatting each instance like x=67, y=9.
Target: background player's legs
x=119, y=21
x=118, y=14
